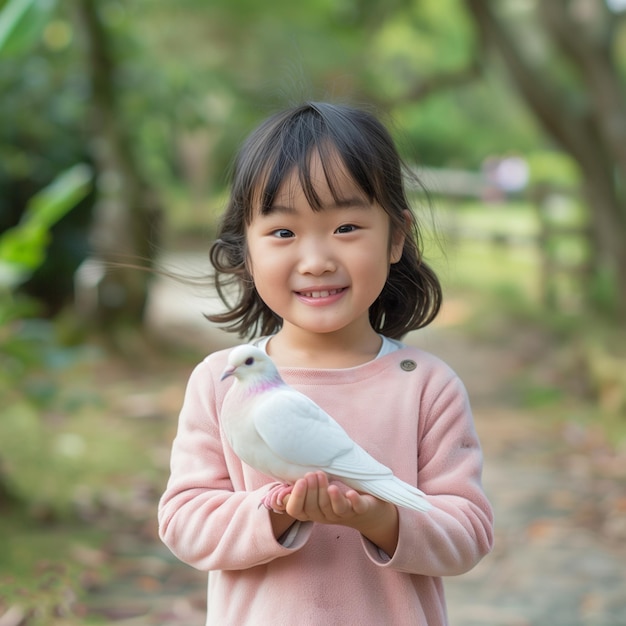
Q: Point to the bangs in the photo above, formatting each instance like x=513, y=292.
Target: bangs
x=285, y=144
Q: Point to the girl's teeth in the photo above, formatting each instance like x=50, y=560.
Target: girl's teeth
x=321, y=294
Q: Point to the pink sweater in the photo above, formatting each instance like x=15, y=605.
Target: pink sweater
x=416, y=420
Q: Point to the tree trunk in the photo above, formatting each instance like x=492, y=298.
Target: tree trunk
x=8, y=499
x=594, y=135
x=126, y=223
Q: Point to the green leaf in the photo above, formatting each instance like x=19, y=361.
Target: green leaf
x=21, y=24
x=49, y=205
x=23, y=247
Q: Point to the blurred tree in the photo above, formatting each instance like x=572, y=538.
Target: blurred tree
x=41, y=108
x=566, y=58
x=242, y=61
x=127, y=213
x=426, y=68
x=173, y=88
x=23, y=245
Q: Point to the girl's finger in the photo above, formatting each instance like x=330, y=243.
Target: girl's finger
x=358, y=502
x=339, y=503
x=323, y=498
x=296, y=502
x=310, y=503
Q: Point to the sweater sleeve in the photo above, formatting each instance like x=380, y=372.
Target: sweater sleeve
x=203, y=520
x=451, y=538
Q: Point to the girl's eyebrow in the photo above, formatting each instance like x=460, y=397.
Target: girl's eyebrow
x=342, y=203
x=357, y=202
x=279, y=208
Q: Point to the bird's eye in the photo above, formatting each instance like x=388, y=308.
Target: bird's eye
x=249, y=361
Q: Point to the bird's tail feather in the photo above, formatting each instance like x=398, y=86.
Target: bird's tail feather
x=398, y=492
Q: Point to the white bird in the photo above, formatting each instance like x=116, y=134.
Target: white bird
x=284, y=434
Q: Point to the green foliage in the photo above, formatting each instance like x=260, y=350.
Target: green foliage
x=21, y=24
x=43, y=105
x=417, y=41
x=23, y=247
x=552, y=167
x=242, y=61
x=28, y=344
x=462, y=128
x=602, y=292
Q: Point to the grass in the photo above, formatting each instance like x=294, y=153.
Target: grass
x=85, y=463
x=474, y=265
x=46, y=568
x=89, y=442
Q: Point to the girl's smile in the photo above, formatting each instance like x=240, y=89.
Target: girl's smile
x=320, y=297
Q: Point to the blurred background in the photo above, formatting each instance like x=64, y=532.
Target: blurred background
x=118, y=125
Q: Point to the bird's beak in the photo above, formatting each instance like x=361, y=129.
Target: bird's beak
x=229, y=370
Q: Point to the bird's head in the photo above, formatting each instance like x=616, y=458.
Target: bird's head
x=247, y=364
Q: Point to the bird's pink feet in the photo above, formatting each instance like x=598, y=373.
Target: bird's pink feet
x=273, y=500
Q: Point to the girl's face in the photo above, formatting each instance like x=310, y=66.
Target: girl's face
x=320, y=271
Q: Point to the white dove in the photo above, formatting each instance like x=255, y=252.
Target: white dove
x=284, y=434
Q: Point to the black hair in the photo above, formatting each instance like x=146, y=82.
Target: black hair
x=412, y=295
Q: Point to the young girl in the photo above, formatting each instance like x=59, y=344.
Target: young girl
x=320, y=254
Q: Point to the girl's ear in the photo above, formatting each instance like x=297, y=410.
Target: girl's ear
x=398, y=238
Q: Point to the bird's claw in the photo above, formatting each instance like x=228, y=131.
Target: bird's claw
x=274, y=498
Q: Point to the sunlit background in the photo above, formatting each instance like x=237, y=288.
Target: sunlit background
x=118, y=125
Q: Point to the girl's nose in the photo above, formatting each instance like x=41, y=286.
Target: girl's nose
x=316, y=258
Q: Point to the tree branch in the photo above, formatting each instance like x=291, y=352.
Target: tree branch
x=549, y=106
x=597, y=73
x=444, y=81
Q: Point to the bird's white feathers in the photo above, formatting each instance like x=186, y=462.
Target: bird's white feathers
x=283, y=433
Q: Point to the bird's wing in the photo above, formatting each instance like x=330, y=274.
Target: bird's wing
x=298, y=430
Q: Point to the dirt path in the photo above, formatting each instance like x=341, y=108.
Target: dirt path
x=552, y=565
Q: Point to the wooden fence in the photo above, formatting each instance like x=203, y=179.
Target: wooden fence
x=562, y=240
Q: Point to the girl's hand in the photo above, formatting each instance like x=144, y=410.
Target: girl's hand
x=314, y=499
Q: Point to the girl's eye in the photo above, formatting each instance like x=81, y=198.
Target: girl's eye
x=346, y=228
x=282, y=233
